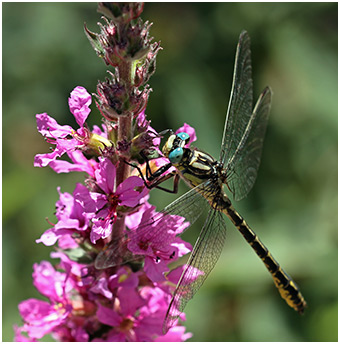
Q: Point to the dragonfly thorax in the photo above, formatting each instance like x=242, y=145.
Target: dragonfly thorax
x=197, y=166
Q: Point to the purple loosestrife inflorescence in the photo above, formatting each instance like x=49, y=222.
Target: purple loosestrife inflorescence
x=129, y=301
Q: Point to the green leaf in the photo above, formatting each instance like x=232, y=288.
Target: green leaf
x=95, y=41
x=79, y=255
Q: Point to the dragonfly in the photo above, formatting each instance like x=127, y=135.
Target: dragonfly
x=236, y=169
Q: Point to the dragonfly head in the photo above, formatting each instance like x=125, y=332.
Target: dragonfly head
x=173, y=147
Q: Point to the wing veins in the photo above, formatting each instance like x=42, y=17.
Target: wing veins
x=190, y=206
x=204, y=256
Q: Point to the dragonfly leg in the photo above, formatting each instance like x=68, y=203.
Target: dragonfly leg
x=153, y=179
x=165, y=131
x=163, y=179
x=151, y=176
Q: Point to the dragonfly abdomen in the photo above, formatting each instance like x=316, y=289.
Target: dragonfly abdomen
x=287, y=287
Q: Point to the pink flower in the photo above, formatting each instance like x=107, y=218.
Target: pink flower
x=19, y=337
x=157, y=240
x=49, y=128
x=57, y=134
x=118, y=292
x=79, y=164
x=71, y=217
x=67, y=140
x=79, y=104
x=135, y=317
x=175, y=334
x=104, y=203
x=42, y=317
x=100, y=286
x=124, y=278
x=51, y=283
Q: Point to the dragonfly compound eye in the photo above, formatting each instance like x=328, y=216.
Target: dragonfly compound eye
x=176, y=155
x=183, y=136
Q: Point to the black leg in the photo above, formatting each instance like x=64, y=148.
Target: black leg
x=154, y=178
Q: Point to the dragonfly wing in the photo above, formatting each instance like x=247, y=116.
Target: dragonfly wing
x=189, y=206
x=243, y=165
x=192, y=204
x=115, y=253
x=203, y=258
x=241, y=100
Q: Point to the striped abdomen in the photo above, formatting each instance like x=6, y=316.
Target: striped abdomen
x=286, y=286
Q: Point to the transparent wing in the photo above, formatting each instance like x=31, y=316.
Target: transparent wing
x=190, y=206
x=115, y=253
x=241, y=100
x=242, y=167
x=203, y=258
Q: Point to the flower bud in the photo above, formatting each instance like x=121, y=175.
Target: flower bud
x=121, y=11
x=139, y=100
x=119, y=42
x=105, y=44
x=143, y=142
x=113, y=99
x=145, y=68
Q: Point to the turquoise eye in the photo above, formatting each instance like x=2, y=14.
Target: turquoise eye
x=176, y=155
x=183, y=136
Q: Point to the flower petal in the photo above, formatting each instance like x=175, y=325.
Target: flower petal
x=106, y=175
x=79, y=103
x=108, y=316
x=49, y=127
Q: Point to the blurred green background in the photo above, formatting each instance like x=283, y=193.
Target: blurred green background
x=293, y=205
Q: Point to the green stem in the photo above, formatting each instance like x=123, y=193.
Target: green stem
x=124, y=133
x=124, y=122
